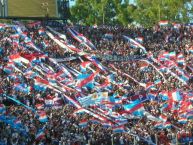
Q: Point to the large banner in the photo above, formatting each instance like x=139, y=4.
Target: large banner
x=119, y=58
x=106, y=58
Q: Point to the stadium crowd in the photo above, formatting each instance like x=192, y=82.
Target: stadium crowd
x=44, y=83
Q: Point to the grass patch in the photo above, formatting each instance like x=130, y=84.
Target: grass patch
x=30, y=8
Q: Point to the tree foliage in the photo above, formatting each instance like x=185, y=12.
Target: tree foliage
x=122, y=12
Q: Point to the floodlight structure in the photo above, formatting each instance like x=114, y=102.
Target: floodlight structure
x=3, y=8
x=64, y=9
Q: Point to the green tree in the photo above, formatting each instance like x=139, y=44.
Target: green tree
x=101, y=12
x=150, y=12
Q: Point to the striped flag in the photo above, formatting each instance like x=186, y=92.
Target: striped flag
x=134, y=106
x=158, y=125
x=182, y=120
x=8, y=69
x=83, y=123
x=163, y=23
x=82, y=39
x=139, y=39
x=163, y=118
x=167, y=125
x=172, y=54
x=79, y=111
x=40, y=135
x=88, y=79
x=41, y=32
x=175, y=95
x=119, y=129
x=43, y=117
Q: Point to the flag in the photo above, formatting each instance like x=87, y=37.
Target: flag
x=41, y=32
x=2, y=108
x=80, y=38
x=158, y=82
x=119, y=129
x=158, y=125
x=135, y=105
x=43, y=117
x=40, y=135
x=167, y=125
x=84, y=65
x=163, y=118
x=149, y=86
x=2, y=26
x=181, y=61
x=182, y=120
x=58, y=102
x=83, y=123
x=133, y=42
x=8, y=69
x=79, y=111
x=39, y=106
x=108, y=36
x=163, y=23
x=106, y=124
x=175, y=95
x=87, y=80
x=164, y=95
x=139, y=39
x=143, y=66
x=172, y=54
x=180, y=55
x=94, y=121
x=190, y=50
x=49, y=101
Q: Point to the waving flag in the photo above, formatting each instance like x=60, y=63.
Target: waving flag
x=164, y=95
x=80, y=38
x=158, y=125
x=139, y=39
x=2, y=108
x=182, y=120
x=190, y=50
x=8, y=69
x=149, y=86
x=83, y=123
x=2, y=26
x=175, y=95
x=43, y=117
x=158, y=82
x=172, y=54
x=130, y=40
x=39, y=106
x=181, y=61
x=41, y=32
x=119, y=129
x=84, y=65
x=40, y=135
x=163, y=23
x=167, y=125
x=87, y=80
x=49, y=101
x=79, y=111
x=134, y=106
x=163, y=118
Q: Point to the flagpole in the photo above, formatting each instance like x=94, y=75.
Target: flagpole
x=177, y=138
x=112, y=141
x=135, y=140
x=156, y=139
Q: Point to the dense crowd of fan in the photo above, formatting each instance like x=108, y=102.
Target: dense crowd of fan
x=62, y=125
